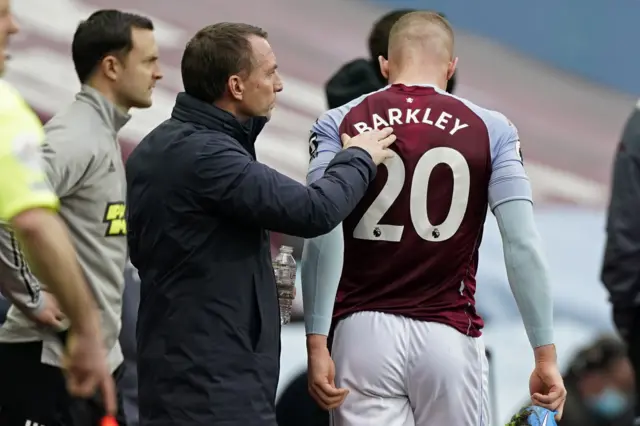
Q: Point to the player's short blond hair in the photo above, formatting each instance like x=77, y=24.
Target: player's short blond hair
x=423, y=29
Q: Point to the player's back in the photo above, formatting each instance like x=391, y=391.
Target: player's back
x=411, y=245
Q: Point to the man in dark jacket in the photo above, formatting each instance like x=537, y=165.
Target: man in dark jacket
x=200, y=208
x=362, y=76
x=621, y=265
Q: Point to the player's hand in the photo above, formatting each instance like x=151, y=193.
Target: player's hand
x=375, y=142
x=545, y=384
x=86, y=367
x=49, y=314
x=321, y=375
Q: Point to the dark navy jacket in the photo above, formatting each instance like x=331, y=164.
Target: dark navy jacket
x=621, y=264
x=200, y=208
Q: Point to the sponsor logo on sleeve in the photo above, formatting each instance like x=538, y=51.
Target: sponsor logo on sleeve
x=114, y=217
x=519, y=151
x=313, y=145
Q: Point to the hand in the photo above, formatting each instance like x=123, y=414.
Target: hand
x=375, y=142
x=86, y=368
x=545, y=384
x=321, y=375
x=49, y=314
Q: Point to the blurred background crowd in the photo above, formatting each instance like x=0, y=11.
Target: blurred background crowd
x=563, y=72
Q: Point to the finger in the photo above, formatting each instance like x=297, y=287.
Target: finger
x=329, y=396
x=551, y=405
x=384, y=133
x=80, y=386
x=322, y=400
x=552, y=395
x=386, y=142
x=54, y=323
x=345, y=139
x=328, y=390
x=317, y=398
x=387, y=153
x=560, y=411
x=108, y=390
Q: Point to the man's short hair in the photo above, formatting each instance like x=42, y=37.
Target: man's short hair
x=213, y=55
x=424, y=27
x=105, y=32
x=379, y=36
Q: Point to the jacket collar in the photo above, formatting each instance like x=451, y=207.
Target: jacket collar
x=192, y=110
x=113, y=117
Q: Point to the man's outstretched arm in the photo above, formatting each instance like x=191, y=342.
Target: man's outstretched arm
x=511, y=202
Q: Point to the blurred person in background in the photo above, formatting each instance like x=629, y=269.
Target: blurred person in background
x=396, y=321
x=115, y=57
x=621, y=264
x=28, y=207
x=362, y=76
x=600, y=386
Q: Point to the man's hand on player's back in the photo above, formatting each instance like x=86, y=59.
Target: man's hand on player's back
x=545, y=384
x=321, y=374
x=375, y=142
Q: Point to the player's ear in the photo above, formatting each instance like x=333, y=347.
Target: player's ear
x=452, y=68
x=384, y=67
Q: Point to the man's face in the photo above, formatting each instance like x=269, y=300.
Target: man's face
x=140, y=71
x=8, y=26
x=262, y=84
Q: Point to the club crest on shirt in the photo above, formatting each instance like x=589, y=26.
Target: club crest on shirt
x=313, y=144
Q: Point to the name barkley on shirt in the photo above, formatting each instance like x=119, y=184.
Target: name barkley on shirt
x=397, y=116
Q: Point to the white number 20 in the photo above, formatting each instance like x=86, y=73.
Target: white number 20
x=370, y=228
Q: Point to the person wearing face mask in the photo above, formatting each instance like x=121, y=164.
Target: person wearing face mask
x=600, y=386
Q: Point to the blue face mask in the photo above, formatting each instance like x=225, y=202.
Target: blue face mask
x=610, y=404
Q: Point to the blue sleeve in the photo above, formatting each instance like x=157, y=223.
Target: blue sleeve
x=322, y=257
x=321, y=269
x=227, y=180
x=324, y=143
x=508, y=180
x=527, y=269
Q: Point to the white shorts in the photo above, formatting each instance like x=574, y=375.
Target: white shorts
x=404, y=372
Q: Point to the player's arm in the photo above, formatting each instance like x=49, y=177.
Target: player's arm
x=511, y=202
x=28, y=204
x=322, y=256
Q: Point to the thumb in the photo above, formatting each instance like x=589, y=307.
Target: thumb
x=345, y=138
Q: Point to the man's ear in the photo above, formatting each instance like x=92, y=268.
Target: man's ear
x=110, y=66
x=452, y=67
x=236, y=87
x=384, y=67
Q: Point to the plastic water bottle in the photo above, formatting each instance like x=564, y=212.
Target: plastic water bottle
x=284, y=267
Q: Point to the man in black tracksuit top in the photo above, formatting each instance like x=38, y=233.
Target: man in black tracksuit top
x=199, y=215
x=621, y=265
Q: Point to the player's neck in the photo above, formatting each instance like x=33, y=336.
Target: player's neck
x=415, y=80
x=410, y=77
